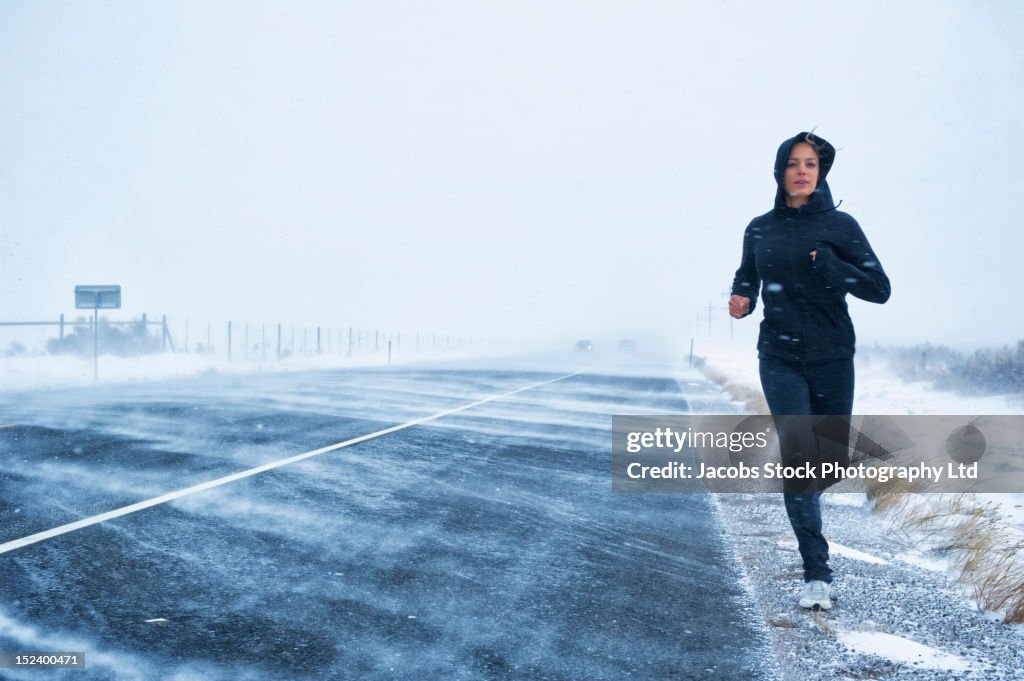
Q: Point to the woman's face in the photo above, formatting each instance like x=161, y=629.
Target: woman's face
x=801, y=176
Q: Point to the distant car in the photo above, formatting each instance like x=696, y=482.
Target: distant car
x=584, y=346
x=627, y=345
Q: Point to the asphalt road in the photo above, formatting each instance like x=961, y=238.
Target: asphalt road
x=485, y=544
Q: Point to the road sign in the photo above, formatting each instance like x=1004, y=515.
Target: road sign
x=95, y=298
x=101, y=297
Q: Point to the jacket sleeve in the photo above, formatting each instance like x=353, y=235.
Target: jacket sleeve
x=850, y=265
x=747, y=282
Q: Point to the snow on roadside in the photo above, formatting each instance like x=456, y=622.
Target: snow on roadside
x=31, y=372
x=924, y=561
x=878, y=390
x=902, y=650
x=837, y=549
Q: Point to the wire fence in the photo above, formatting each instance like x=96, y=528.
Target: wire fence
x=231, y=340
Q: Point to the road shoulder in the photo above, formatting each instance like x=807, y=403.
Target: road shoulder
x=893, y=617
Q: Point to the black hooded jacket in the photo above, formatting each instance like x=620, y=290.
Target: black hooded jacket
x=805, y=313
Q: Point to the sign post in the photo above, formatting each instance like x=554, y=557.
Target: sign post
x=107, y=297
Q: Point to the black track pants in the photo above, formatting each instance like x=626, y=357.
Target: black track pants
x=824, y=388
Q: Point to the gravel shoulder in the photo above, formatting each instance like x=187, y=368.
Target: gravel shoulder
x=897, y=614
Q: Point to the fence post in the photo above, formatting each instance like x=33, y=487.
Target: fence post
x=229, y=341
x=318, y=340
x=167, y=335
x=279, y=341
x=62, y=326
x=389, y=353
x=96, y=342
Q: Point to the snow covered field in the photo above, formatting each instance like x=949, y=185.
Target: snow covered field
x=878, y=390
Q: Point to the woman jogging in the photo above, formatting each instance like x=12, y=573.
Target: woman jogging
x=803, y=257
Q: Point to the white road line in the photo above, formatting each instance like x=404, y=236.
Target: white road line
x=171, y=496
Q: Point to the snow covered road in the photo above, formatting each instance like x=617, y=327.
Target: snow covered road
x=484, y=544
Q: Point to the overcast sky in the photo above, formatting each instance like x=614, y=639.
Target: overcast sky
x=552, y=168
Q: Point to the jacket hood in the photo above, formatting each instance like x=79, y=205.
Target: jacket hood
x=821, y=199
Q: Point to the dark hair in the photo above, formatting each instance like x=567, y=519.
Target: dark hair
x=814, y=141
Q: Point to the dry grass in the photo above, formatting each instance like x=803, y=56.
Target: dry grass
x=822, y=621
x=987, y=558
x=891, y=495
x=752, y=399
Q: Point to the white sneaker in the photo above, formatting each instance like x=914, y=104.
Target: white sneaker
x=816, y=595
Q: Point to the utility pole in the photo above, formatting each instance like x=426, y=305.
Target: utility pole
x=727, y=295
